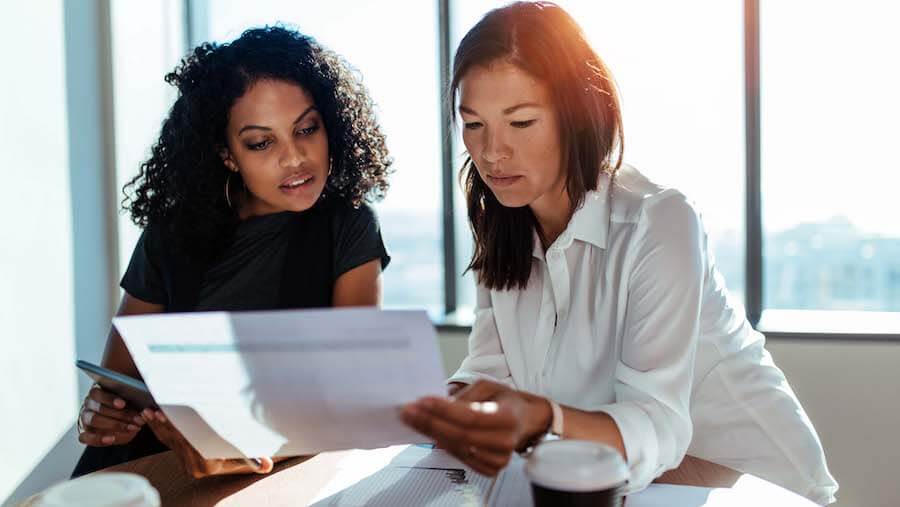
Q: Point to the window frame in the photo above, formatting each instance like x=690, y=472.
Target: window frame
x=196, y=22
x=753, y=253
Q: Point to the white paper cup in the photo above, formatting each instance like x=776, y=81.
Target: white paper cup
x=102, y=490
x=576, y=473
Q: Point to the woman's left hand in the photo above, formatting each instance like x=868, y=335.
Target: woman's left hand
x=195, y=464
x=482, y=424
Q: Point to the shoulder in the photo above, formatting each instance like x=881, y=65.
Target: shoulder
x=357, y=236
x=341, y=208
x=344, y=215
x=638, y=200
x=153, y=240
x=155, y=231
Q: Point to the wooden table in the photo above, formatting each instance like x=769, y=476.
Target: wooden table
x=301, y=481
x=293, y=482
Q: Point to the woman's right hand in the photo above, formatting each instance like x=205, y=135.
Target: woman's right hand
x=106, y=419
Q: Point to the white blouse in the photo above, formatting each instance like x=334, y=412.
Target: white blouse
x=627, y=314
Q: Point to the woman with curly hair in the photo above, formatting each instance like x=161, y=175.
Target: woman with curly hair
x=254, y=198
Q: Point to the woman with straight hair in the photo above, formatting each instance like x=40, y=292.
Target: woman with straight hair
x=254, y=198
x=600, y=313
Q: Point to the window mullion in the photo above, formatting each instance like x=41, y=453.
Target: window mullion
x=447, y=180
x=753, y=210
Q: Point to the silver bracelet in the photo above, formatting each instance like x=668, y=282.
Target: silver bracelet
x=554, y=431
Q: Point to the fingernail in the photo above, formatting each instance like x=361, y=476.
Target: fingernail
x=161, y=417
x=139, y=420
x=132, y=427
x=147, y=414
x=109, y=439
x=119, y=403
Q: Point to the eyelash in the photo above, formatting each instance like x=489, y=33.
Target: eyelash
x=517, y=124
x=259, y=146
x=308, y=131
x=523, y=124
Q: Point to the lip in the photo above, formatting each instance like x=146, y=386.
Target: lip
x=305, y=177
x=503, y=181
x=294, y=177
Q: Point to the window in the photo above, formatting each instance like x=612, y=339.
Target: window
x=828, y=110
x=680, y=75
x=829, y=165
x=147, y=43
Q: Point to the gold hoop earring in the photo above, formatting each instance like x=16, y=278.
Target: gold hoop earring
x=227, y=196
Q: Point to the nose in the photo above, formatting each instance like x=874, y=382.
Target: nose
x=291, y=156
x=495, y=147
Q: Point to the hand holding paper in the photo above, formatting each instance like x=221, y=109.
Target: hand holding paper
x=286, y=383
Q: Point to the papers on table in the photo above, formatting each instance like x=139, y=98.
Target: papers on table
x=413, y=475
x=404, y=475
x=286, y=383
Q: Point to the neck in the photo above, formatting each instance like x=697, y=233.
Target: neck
x=553, y=211
x=250, y=206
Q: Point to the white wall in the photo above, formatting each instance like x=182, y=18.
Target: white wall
x=849, y=391
x=37, y=381
x=57, y=229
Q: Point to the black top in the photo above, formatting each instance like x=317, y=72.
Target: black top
x=252, y=273
x=283, y=260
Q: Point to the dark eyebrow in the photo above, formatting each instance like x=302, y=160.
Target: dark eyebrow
x=508, y=110
x=259, y=127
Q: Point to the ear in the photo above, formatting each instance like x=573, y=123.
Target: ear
x=225, y=155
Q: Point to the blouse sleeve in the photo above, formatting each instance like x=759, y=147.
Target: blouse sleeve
x=666, y=267
x=485, y=359
x=358, y=240
x=144, y=277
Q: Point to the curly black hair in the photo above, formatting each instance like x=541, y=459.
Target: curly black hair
x=181, y=186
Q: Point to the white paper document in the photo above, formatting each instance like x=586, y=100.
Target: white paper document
x=286, y=383
x=405, y=475
x=413, y=475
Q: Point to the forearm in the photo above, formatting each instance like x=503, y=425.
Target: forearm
x=116, y=356
x=577, y=424
x=596, y=426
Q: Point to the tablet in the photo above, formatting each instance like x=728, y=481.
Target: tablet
x=128, y=388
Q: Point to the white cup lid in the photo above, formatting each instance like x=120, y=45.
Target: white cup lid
x=576, y=465
x=102, y=490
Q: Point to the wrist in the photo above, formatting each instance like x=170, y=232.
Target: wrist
x=540, y=420
x=455, y=387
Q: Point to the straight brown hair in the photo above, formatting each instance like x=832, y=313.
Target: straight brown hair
x=543, y=40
